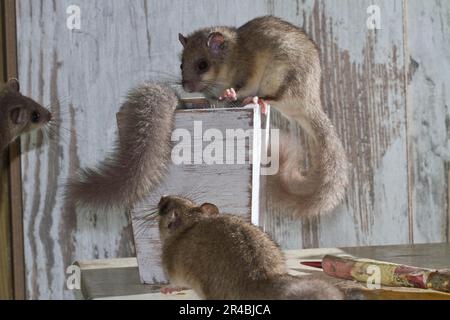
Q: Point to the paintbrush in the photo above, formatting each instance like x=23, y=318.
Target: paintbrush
x=389, y=274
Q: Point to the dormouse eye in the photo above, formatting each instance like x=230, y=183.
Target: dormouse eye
x=181, y=66
x=35, y=117
x=203, y=65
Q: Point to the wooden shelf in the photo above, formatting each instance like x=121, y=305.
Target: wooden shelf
x=119, y=278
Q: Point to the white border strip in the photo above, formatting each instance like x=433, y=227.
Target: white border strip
x=256, y=164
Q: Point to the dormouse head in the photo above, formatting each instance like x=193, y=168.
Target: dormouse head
x=178, y=213
x=205, y=53
x=21, y=113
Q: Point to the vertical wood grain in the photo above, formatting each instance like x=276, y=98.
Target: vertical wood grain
x=84, y=75
x=363, y=94
x=12, y=255
x=428, y=106
x=15, y=183
x=406, y=73
x=2, y=44
x=6, y=273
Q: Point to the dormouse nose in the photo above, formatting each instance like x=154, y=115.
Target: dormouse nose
x=188, y=85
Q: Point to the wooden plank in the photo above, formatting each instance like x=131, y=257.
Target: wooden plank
x=6, y=272
x=108, y=263
x=228, y=184
x=430, y=255
x=363, y=94
x=15, y=195
x=102, y=282
x=12, y=284
x=428, y=55
x=77, y=72
x=2, y=44
x=96, y=282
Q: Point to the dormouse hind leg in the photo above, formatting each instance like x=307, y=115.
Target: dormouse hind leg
x=231, y=96
x=170, y=289
x=256, y=100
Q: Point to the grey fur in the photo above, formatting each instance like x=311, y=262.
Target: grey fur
x=16, y=114
x=222, y=256
x=275, y=60
x=141, y=155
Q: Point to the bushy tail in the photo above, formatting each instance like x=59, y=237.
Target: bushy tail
x=324, y=186
x=141, y=154
x=287, y=287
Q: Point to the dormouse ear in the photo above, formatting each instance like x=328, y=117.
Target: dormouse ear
x=209, y=209
x=183, y=40
x=18, y=116
x=215, y=42
x=13, y=84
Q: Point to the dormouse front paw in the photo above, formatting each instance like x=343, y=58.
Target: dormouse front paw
x=229, y=95
x=170, y=290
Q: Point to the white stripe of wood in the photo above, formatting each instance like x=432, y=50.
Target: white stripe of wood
x=256, y=165
x=107, y=263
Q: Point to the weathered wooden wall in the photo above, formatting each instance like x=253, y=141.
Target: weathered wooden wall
x=428, y=114
x=385, y=90
x=363, y=93
x=6, y=273
x=12, y=254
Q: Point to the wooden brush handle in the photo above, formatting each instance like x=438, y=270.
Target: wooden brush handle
x=391, y=274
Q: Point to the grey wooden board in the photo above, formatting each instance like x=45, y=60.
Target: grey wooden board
x=363, y=86
x=431, y=256
x=122, y=43
x=229, y=186
x=429, y=117
x=120, y=281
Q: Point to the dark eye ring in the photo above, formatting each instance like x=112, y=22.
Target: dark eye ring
x=202, y=65
x=35, y=117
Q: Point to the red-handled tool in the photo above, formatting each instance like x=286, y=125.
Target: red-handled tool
x=390, y=274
